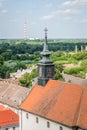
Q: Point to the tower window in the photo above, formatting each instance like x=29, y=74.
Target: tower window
x=37, y=120
x=6, y=129
x=48, y=124
x=61, y=128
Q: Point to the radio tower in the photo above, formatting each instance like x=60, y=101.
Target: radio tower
x=25, y=31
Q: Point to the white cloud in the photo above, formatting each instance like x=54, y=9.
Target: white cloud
x=74, y=3
x=66, y=11
x=48, y=17
x=69, y=3
x=83, y=21
x=62, y=12
x=4, y=11
x=71, y=11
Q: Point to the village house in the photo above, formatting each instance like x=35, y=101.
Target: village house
x=9, y=120
x=12, y=94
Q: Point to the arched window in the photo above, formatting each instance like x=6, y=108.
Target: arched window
x=48, y=124
x=61, y=128
x=37, y=120
x=27, y=115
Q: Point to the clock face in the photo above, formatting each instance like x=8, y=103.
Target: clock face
x=49, y=72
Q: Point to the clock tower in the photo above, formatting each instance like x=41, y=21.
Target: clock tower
x=45, y=65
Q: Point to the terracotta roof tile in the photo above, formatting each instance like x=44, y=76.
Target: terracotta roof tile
x=57, y=101
x=82, y=119
x=8, y=117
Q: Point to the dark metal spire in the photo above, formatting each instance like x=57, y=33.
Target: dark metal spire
x=45, y=53
x=45, y=44
x=45, y=47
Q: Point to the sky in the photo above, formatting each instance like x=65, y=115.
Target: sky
x=63, y=18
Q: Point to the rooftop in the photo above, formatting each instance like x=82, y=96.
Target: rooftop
x=8, y=117
x=11, y=93
x=60, y=102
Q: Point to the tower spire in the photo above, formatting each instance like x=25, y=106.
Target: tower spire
x=45, y=53
x=45, y=44
x=45, y=65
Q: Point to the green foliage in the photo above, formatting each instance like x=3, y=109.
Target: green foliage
x=58, y=71
x=80, y=55
x=26, y=80
x=4, y=72
x=84, y=63
x=1, y=60
x=77, y=71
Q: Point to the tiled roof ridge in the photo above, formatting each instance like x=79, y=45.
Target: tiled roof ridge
x=80, y=105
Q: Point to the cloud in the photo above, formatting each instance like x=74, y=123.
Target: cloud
x=71, y=11
x=69, y=3
x=4, y=11
x=61, y=12
x=83, y=21
x=73, y=3
x=48, y=17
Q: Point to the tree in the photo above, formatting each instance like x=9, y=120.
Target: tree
x=1, y=61
x=4, y=72
x=26, y=80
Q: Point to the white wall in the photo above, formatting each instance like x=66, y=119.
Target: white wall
x=31, y=124
x=10, y=127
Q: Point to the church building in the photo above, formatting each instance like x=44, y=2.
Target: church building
x=53, y=104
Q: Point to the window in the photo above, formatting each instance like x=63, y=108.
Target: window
x=61, y=128
x=13, y=128
x=27, y=115
x=48, y=124
x=6, y=129
x=37, y=120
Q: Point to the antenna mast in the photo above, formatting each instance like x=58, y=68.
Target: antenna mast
x=25, y=31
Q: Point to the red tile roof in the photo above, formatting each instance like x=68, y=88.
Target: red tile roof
x=82, y=121
x=58, y=101
x=8, y=117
